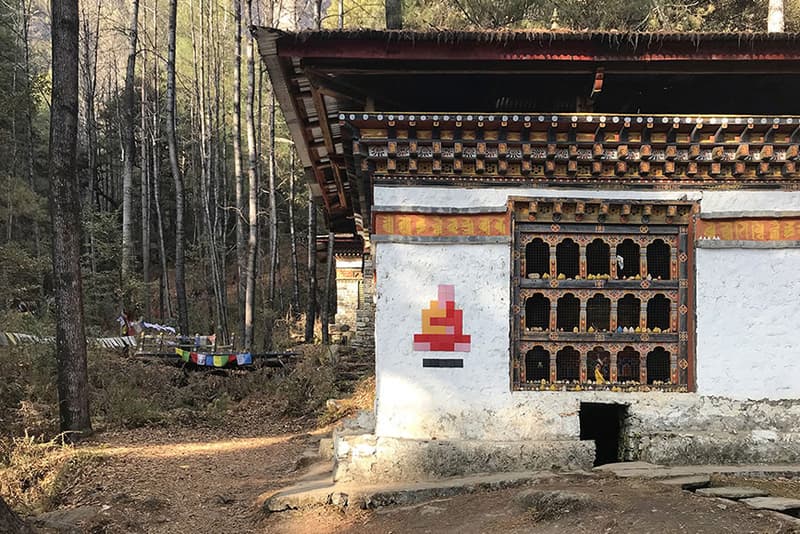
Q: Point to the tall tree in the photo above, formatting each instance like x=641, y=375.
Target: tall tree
x=252, y=175
x=129, y=142
x=311, y=304
x=241, y=208
x=145, y=185
x=775, y=20
x=73, y=391
x=293, y=238
x=172, y=142
x=273, y=228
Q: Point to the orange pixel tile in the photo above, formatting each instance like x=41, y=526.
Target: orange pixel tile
x=442, y=325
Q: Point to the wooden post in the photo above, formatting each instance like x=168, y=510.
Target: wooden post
x=326, y=300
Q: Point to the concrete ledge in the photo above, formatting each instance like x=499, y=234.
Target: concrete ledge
x=370, y=459
x=645, y=470
x=753, y=447
x=318, y=492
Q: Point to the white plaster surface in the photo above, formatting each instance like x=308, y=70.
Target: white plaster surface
x=712, y=201
x=748, y=320
x=748, y=307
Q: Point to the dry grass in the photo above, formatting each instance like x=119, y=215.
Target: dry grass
x=36, y=473
x=363, y=398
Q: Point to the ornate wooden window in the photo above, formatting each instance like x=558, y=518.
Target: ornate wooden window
x=601, y=295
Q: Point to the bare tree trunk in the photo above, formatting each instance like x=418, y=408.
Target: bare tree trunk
x=26, y=24
x=73, y=390
x=172, y=141
x=165, y=303
x=311, y=307
x=241, y=245
x=129, y=144
x=252, y=174
x=90, y=45
x=775, y=18
x=145, y=189
x=273, y=229
x=326, y=299
x=293, y=240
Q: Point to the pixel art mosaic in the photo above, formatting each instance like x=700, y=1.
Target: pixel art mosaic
x=442, y=325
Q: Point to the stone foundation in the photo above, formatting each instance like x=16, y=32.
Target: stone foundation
x=370, y=459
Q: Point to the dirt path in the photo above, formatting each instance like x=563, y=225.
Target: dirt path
x=606, y=505
x=182, y=480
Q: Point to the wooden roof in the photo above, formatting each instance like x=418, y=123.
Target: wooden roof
x=322, y=78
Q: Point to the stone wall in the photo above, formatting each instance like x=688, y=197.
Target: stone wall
x=348, y=286
x=365, y=315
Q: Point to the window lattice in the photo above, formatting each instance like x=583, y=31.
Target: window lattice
x=628, y=312
x=598, y=313
x=627, y=259
x=568, y=313
x=628, y=365
x=537, y=365
x=611, y=329
x=567, y=258
x=537, y=257
x=658, y=312
x=658, y=366
x=658, y=260
x=537, y=312
x=598, y=360
x=598, y=255
x=568, y=365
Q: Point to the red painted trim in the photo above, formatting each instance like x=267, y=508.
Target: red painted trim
x=573, y=50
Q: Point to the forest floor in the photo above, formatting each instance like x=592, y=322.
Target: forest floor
x=209, y=481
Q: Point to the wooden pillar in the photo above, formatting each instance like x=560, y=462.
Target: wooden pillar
x=643, y=368
x=642, y=315
x=582, y=325
x=612, y=269
x=612, y=367
x=583, y=370
x=673, y=368
x=643, y=262
x=613, y=317
x=552, y=366
x=673, y=315
x=553, y=265
x=553, y=314
x=582, y=264
x=673, y=255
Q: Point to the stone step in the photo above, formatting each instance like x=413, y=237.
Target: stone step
x=778, y=504
x=732, y=492
x=687, y=483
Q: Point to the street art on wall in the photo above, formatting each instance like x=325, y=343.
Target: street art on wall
x=442, y=325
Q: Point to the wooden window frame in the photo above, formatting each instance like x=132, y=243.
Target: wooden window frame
x=583, y=221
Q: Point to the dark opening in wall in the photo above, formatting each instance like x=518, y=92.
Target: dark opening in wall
x=629, y=252
x=537, y=312
x=537, y=365
x=603, y=423
x=597, y=257
x=568, y=364
x=658, y=260
x=658, y=366
x=628, y=311
x=537, y=257
x=567, y=258
x=568, y=313
x=598, y=313
x=628, y=365
x=598, y=361
x=658, y=311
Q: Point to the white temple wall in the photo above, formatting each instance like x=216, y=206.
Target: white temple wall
x=747, y=310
